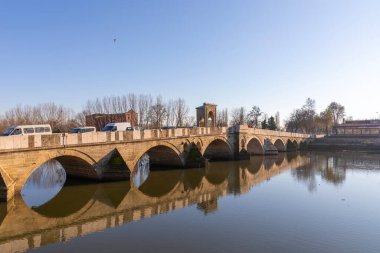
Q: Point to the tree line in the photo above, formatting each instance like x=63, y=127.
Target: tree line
x=59, y=117
x=152, y=112
x=155, y=112
x=255, y=118
x=301, y=120
x=307, y=120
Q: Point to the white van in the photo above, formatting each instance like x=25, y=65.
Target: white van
x=112, y=127
x=28, y=130
x=79, y=130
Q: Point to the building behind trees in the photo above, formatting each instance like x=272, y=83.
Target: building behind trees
x=358, y=128
x=99, y=120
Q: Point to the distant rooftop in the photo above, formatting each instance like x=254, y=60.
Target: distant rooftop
x=360, y=123
x=365, y=121
x=202, y=106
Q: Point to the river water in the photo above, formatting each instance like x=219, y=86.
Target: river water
x=294, y=202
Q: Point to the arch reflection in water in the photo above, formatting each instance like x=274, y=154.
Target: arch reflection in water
x=74, y=196
x=85, y=208
x=44, y=183
x=160, y=183
x=141, y=173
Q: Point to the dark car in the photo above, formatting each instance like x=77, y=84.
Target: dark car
x=135, y=129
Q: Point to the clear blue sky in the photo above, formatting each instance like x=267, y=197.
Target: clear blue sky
x=273, y=54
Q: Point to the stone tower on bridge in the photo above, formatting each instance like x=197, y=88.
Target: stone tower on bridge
x=206, y=115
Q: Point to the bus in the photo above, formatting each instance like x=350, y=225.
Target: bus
x=79, y=130
x=28, y=130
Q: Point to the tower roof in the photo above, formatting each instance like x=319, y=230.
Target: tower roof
x=205, y=104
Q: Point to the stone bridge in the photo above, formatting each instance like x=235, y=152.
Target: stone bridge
x=254, y=141
x=104, y=206
x=114, y=155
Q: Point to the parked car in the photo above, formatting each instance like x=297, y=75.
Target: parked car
x=112, y=127
x=28, y=130
x=78, y=130
x=135, y=128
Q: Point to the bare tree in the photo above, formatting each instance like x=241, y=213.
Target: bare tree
x=309, y=113
x=303, y=119
x=181, y=111
x=238, y=116
x=170, y=113
x=222, y=118
x=144, y=103
x=254, y=116
x=148, y=119
x=132, y=101
x=80, y=118
x=293, y=124
x=157, y=112
x=108, y=105
x=277, y=120
x=59, y=117
x=151, y=114
x=225, y=117
x=189, y=121
x=337, y=111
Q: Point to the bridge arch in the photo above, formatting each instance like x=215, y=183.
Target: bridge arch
x=291, y=145
x=243, y=143
x=161, y=154
x=280, y=146
x=192, y=155
x=198, y=142
x=75, y=163
x=303, y=145
x=186, y=146
x=295, y=142
x=255, y=147
x=6, y=186
x=217, y=149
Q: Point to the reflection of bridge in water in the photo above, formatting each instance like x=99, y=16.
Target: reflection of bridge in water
x=102, y=206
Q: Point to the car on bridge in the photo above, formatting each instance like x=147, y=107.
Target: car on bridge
x=136, y=128
x=28, y=130
x=112, y=127
x=79, y=130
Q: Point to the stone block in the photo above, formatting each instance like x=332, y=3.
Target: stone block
x=136, y=135
x=147, y=134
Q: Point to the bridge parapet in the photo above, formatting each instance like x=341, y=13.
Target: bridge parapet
x=256, y=131
x=8, y=143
